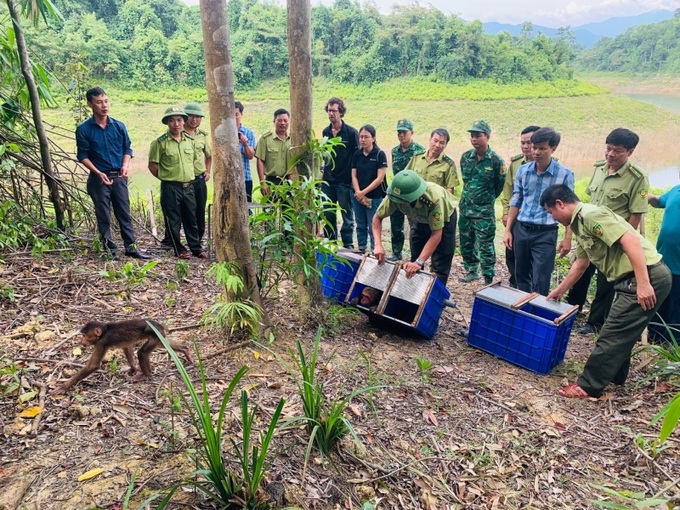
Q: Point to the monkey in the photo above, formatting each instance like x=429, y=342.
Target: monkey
x=124, y=334
x=369, y=298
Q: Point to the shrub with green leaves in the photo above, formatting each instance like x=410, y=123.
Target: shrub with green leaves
x=284, y=233
x=325, y=422
x=234, y=310
x=216, y=481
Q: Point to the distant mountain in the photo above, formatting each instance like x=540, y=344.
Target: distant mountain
x=589, y=34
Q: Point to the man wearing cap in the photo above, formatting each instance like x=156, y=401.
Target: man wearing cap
x=435, y=166
x=641, y=280
x=432, y=215
x=535, y=237
x=337, y=175
x=619, y=184
x=483, y=174
x=401, y=155
x=273, y=152
x=515, y=162
x=203, y=162
x=172, y=159
x=246, y=140
x=104, y=148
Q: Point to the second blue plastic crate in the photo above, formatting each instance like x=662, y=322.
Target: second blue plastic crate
x=527, y=336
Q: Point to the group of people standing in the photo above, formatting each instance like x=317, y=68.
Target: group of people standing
x=634, y=281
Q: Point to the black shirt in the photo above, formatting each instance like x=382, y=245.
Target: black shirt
x=367, y=169
x=342, y=172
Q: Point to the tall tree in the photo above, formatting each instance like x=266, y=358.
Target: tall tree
x=35, y=9
x=300, y=66
x=230, y=224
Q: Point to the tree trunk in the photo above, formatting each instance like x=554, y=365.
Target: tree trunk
x=37, y=117
x=301, y=104
x=230, y=223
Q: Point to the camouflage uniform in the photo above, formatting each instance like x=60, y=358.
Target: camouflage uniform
x=483, y=181
x=598, y=232
x=515, y=162
x=401, y=158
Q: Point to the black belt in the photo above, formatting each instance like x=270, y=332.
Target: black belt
x=536, y=226
x=179, y=184
x=201, y=177
x=631, y=274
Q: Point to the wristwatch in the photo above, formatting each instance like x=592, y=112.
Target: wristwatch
x=420, y=262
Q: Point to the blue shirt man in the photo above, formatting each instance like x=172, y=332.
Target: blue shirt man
x=246, y=139
x=104, y=148
x=535, y=237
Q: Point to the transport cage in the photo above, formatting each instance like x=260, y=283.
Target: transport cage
x=337, y=272
x=522, y=328
x=410, y=306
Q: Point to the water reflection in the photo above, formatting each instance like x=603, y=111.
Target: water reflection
x=664, y=178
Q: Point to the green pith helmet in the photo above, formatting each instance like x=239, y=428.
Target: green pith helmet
x=173, y=111
x=406, y=186
x=194, y=109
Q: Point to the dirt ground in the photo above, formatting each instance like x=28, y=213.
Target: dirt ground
x=475, y=432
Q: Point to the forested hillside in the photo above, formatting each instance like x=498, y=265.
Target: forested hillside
x=651, y=48
x=152, y=43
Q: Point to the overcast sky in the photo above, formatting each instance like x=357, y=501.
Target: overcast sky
x=551, y=13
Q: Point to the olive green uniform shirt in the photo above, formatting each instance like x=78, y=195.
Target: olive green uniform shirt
x=401, y=158
x=483, y=181
x=434, y=207
x=515, y=162
x=274, y=153
x=624, y=192
x=176, y=160
x=441, y=171
x=202, y=145
x=597, y=230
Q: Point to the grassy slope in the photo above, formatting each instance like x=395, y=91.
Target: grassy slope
x=583, y=121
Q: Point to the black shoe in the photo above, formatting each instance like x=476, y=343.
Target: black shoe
x=588, y=329
x=113, y=254
x=488, y=280
x=394, y=258
x=137, y=255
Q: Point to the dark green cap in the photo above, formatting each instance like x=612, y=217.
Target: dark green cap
x=172, y=112
x=194, y=109
x=480, y=126
x=406, y=186
x=404, y=125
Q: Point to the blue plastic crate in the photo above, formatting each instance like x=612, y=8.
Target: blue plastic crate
x=337, y=274
x=411, y=307
x=526, y=336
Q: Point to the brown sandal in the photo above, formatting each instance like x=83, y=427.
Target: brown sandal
x=185, y=255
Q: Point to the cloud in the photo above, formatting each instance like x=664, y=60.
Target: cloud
x=579, y=12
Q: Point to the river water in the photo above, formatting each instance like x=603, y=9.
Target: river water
x=669, y=176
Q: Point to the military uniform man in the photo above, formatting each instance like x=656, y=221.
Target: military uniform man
x=620, y=185
x=483, y=174
x=401, y=156
x=641, y=280
x=435, y=166
x=203, y=162
x=515, y=162
x=273, y=152
x=172, y=159
x=432, y=214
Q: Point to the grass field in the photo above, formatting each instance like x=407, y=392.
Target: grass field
x=583, y=120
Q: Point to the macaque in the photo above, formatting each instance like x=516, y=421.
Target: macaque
x=369, y=298
x=125, y=335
